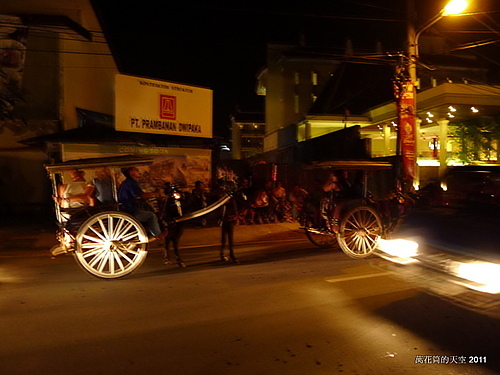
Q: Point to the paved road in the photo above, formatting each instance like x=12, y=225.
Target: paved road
x=289, y=308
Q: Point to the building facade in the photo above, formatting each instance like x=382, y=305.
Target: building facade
x=57, y=63
x=56, y=58
x=247, y=135
x=457, y=91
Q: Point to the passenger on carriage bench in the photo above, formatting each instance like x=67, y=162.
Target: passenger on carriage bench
x=129, y=195
x=76, y=193
x=336, y=184
x=103, y=186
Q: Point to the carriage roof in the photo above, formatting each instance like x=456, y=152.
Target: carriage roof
x=349, y=165
x=112, y=161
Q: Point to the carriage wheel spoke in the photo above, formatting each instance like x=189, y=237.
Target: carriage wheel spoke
x=125, y=256
x=104, y=231
x=125, y=231
x=90, y=245
x=97, y=259
x=99, y=237
x=118, y=229
x=119, y=261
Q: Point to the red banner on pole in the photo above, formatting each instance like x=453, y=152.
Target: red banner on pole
x=406, y=129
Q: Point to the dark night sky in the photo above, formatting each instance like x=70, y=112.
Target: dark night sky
x=222, y=45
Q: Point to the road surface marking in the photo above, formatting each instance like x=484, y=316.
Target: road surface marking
x=359, y=277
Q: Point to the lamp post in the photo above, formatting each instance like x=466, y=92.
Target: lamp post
x=453, y=8
x=406, y=96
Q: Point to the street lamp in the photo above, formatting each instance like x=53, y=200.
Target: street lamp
x=406, y=93
x=453, y=8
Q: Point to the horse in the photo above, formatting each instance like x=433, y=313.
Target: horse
x=174, y=206
x=179, y=207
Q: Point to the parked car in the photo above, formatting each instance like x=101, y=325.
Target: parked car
x=450, y=244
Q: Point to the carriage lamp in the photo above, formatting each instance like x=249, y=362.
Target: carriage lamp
x=398, y=250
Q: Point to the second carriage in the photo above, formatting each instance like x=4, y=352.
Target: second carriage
x=355, y=216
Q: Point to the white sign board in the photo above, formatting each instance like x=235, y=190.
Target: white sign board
x=149, y=106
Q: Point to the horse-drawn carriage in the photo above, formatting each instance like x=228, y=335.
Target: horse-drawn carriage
x=106, y=242
x=358, y=212
x=110, y=243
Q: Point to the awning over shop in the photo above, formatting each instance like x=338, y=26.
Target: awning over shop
x=107, y=135
x=116, y=161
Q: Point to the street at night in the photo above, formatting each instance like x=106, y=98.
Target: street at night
x=350, y=149
x=287, y=308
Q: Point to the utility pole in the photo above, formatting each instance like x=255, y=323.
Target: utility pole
x=405, y=96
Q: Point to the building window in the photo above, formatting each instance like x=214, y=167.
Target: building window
x=314, y=78
x=297, y=78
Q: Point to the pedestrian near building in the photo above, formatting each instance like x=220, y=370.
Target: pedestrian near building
x=282, y=207
x=227, y=221
x=247, y=212
x=297, y=198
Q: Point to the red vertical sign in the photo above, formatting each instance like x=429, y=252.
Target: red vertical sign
x=406, y=128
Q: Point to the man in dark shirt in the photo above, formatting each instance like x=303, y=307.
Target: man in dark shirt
x=129, y=194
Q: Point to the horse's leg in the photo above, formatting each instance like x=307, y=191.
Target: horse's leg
x=166, y=250
x=177, y=233
x=223, y=229
x=230, y=240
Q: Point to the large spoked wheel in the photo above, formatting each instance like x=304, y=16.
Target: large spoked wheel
x=359, y=231
x=321, y=238
x=111, y=244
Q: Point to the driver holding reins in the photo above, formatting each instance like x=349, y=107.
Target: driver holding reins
x=130, y=195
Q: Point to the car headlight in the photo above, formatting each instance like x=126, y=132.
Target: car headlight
x=399, y=250
x=486, y=276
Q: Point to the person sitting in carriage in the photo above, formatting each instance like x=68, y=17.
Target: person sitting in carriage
x=131, y=196
x=76, y=193
x=322, y=199
x=336, y=185
x=103, y=187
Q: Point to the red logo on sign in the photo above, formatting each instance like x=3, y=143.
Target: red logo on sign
x=168, y=107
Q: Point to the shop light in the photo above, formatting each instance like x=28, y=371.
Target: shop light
x=474, y=109
x=450, y=115
x=452, y=109
x=428, y=163
x=434, y=145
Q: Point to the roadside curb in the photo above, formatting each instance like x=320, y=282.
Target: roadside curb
x=41, y=238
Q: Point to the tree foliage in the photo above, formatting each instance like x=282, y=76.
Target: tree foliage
x=477, y=138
